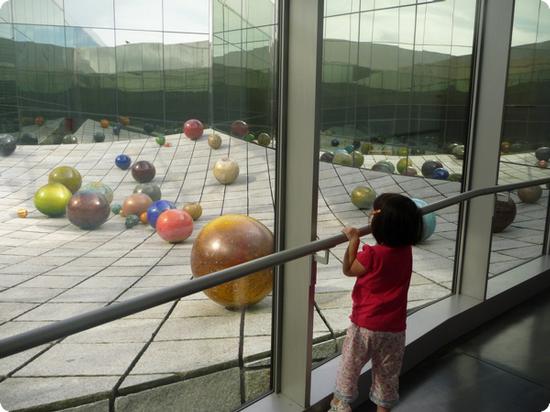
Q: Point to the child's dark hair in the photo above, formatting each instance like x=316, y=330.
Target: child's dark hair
x=396, y=221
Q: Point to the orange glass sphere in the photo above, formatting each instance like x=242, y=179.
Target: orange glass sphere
x=104, y=123
x=174, y=225
x=135, y=204
x=124, y=120
x=228, y=241
x=143, y=218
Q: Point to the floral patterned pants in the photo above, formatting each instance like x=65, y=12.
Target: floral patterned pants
x=385, y=349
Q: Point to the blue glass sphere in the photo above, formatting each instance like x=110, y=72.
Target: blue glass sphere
x=428, y=220
x=334, y=142
x=440, y=173
x=123, y=161
x=156, y=208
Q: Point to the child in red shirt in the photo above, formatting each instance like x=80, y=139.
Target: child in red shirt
x=379, y=311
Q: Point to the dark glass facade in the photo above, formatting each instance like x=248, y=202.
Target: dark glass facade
x=137, y=63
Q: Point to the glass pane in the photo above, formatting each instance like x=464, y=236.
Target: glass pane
x=394, y=104
x=93, y=91
x=42, y=81
x=38, y=12
x=186, y=16
x=186, y=76
x=138, y=14
x=140, y=76
x=520, y=217
x=90, y=13
x=243, y=61
x=5, y=11
x=9, y=119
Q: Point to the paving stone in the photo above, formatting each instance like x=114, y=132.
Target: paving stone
x=101, y=406
x=186, y=356
x=19, y=393
x=9, y=310
x=192, y=394
x=56, y=311
x=257, y=383
x=118, y=331
x=83, y=359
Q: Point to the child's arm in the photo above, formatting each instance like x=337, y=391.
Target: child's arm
x=351, y=266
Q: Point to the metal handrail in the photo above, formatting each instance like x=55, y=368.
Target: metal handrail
x=35, y=337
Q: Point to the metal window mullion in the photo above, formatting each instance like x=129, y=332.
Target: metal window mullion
x=491, y=57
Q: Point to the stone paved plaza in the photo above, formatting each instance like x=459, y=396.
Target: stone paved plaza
x=192, y=348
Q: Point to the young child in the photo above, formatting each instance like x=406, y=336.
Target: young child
x=377, y=330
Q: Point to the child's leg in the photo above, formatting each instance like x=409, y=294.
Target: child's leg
x=355, y=353
x=387, y=358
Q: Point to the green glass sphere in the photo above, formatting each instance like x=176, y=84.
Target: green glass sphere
x=66, y=175
x=52, y=199
x=363, y=197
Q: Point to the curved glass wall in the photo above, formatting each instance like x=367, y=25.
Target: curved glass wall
x=519, y=221
x=244, y=59
x=134, y=69
x=142, y=66
x=394, y=105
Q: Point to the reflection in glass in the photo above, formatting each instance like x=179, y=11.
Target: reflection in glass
x=87, y=13
x=186, y=16
x=525, y=129
x=5, y=11
x=42, y=80
x=394, y=104
x=93, y=90
x=186, y=76
x=138, y=14
x=243, y=60
x=38, y=12
x=139, y=74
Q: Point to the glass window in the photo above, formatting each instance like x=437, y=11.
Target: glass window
x=186, y=16
x=138, y=14
x=390, y=109
x=140, y=75
x=88, y=13
x=38, y=12
x=520, y=217
x=5, y=11
x=93, y=91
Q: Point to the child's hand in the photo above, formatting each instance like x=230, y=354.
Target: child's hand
x=351, y=233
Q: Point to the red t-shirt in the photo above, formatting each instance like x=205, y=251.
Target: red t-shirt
x=380, y=295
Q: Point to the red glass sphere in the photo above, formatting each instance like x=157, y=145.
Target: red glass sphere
x=39, y=120
x=193, y=129
x=239, y=128
x=174, y=225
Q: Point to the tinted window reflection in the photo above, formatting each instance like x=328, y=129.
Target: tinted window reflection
x=38, y=12
x=186, y=16
x=91, y=13
x=138, y=14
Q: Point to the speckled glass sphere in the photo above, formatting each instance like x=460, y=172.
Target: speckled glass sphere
x=228, y=241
